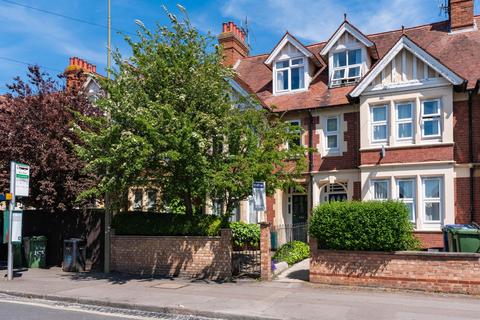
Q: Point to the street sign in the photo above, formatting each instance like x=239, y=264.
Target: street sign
x=17, y=226
x=22, y=179
x=259, y=196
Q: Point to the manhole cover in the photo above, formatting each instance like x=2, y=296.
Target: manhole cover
x=170, y=285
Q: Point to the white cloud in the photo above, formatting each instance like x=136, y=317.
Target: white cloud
x=317, y=20
x=38, y=30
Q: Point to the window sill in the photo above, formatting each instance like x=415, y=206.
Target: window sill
x=281, y=93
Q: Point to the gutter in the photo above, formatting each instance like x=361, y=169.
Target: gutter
x=310, y=157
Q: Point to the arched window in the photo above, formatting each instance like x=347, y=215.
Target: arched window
x=333, y=192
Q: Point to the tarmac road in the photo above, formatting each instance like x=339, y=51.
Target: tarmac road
x=12, y=308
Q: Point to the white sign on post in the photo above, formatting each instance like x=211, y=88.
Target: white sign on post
x=259, y=196
x=17, y=226
x=22, y=179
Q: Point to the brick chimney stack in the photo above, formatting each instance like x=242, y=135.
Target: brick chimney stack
x=76, y=71
x=232, y=39
x=460, y=14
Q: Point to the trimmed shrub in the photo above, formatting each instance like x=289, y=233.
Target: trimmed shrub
x=365, y=226
x=292, y=252
x=164, y=224
x=245, y=235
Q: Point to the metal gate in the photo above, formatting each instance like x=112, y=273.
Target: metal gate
x=246, y=262
x=284, y=233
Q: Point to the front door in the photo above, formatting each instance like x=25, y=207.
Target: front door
x=299, y=217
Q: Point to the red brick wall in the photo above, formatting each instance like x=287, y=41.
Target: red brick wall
x=462, y=200
x=350, y=158
x=357, y=190
x=197, y=257
x=460, y=131
x=265, y=260
x=404, y=155
x=270, y=209
x=425, y=271
x=461, y=14
x=476, y=128
x=430, y=239
x=476, y=199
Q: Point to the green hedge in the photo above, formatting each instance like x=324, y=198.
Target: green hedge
x=292, y=252
x=367, y=226
x=245, y=235
x=164, y=224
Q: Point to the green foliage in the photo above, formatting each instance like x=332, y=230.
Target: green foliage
x=367, y=226
x=163, y=224
x=176, y=123
x=292, y=252
x=245, y=235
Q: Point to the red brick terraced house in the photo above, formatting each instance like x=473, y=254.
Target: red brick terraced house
x=392, y=115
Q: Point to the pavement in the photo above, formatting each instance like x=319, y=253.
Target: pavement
x=299, y=272
x=238, y=300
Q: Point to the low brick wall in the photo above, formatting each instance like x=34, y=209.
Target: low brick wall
x=426, y=271
x=183, y=256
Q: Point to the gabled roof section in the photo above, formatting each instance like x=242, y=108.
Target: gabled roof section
x=406, y=43
x=288, y=38
x=346, y=27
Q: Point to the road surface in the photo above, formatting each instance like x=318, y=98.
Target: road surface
x=12, y=308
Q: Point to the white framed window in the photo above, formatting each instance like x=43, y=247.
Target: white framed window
x=379, y=116
x=347, y=67
x=151, y=200
x=332, y=131
x=381, y=189
x=432, y=199
x=404, y=121
x=137, y=200
x=406, y=194
x=295, y=125
x=431, y=118
x=290, y=75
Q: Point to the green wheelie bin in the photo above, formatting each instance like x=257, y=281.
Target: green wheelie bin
x=466, y=240
x=36, y=251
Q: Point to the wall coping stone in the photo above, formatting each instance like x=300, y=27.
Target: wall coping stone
x=455, y=255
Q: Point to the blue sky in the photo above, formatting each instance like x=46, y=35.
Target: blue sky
x=34, y=37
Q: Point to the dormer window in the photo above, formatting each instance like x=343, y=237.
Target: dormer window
x=290, y=75
x=347, y=67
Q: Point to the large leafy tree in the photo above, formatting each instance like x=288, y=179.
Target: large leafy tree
x=36, y=127
x=170, y=115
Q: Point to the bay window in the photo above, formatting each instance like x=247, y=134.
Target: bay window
x=406, y=194
x=290, y=75
x=346, y=67
x=404, y=119
x=379, y=123
x=380, y=189
x=432, y=206
x=332, y=133
x=431, y=123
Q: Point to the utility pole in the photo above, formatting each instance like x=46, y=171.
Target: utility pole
x=108, y=216
x=10, y=221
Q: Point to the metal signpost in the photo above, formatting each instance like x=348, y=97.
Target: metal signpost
x=19, y=182
x=259, y=197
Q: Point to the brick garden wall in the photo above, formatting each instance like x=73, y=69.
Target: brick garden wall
x=184, y=256
x=426, y=271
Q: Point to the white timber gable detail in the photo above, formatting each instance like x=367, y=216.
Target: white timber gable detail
x=292, y=66
x=406, y=66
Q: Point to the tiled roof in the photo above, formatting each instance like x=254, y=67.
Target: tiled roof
x=460, y=52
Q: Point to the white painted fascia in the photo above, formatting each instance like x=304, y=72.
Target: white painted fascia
x=238, y=88
x=346, y=27
x=287, y=38
x=407, y=86
x=406, y=43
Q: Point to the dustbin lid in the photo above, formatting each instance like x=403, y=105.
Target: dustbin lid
x=38, y=238
x=465, y=231
x=451, y=227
